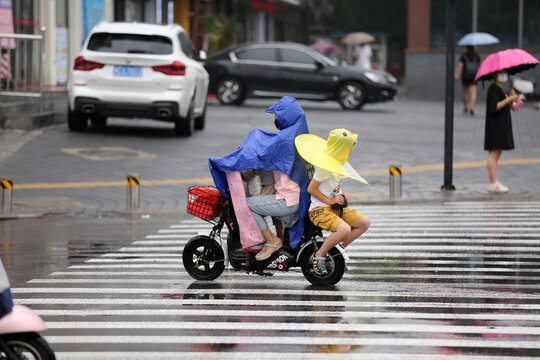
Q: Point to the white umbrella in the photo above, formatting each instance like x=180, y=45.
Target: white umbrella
x=358, y=38
x=478, y=38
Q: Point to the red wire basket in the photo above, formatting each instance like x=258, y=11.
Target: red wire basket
x=205, y=202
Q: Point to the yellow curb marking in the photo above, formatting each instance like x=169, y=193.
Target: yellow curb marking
x=406, y=170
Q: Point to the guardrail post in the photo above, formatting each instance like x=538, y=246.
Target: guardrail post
x=133, y=194
x=395, y=181
x=7, y=187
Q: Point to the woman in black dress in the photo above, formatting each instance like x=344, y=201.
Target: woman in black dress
x=498, y=135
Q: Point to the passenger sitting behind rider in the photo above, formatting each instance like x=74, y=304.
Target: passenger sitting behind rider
x=274, y=152
x=283, y=204
x=326, y=190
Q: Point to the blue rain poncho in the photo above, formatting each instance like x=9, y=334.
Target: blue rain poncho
x=268, y=150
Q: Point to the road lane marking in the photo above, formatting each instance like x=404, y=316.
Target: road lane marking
x=182, y=279
x=209, y=180
x=281, y=303
x=167, y=355
x=169, y=291
x=138, y=313
x=292, y=340
x=188, y=325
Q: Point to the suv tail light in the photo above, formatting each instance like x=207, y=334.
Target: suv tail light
x=176, y=68
x=86, y=65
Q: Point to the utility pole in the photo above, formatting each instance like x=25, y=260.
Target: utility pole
x=520, y=24
x=449, y=106
x=474, y=16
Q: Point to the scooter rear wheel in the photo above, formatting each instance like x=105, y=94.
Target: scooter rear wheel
x=28, y=345
x=335, y=266
x=203, y=258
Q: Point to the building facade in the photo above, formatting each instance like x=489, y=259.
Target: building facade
x=211, y=24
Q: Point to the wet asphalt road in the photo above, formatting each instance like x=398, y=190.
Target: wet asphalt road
x=456, y=280
x=58, y=171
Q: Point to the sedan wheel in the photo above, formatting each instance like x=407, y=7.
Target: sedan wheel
x=351, y=96
x=230, y=91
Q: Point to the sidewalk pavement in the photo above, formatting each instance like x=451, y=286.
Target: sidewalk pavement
x=422, y=183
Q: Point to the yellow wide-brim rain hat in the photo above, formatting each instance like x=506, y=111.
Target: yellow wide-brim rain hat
x=331, y=154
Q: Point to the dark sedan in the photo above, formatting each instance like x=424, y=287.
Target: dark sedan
x=275, y=69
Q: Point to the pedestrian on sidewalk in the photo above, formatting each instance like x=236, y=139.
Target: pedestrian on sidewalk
x=362, y=57
x=498, y=132
x=468, y=66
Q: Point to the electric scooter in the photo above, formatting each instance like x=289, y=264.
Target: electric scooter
x=19, y=327
x=204, y=256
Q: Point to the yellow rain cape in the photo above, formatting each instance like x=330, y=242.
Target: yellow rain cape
x=330, y=155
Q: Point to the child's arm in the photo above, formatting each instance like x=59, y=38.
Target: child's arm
x=313, y=189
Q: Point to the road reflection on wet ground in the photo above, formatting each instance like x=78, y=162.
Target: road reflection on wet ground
x=428, y=281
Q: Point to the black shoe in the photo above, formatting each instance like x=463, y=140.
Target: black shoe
x=472, y=112
x=465, y=111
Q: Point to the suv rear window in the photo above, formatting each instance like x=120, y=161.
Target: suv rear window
x=130, y=43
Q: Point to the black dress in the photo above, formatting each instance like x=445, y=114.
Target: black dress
x=498, y=134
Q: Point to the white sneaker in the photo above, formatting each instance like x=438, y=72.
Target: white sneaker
x=498, y=188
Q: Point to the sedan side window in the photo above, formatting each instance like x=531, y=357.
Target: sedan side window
x=296, y=57
x=257, y=54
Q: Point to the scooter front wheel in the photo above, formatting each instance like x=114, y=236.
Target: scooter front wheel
x=335, y=267
x=203, y=258
x=28, y=345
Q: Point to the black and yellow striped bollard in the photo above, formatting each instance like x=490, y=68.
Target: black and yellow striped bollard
x=7, y=188
x=133, y=193
x=395, y=181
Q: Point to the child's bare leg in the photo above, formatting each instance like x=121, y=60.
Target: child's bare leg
x=358, y=229
x=342, y=232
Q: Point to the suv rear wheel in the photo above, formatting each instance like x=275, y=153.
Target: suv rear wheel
x=77, y=121
x=185, y=126
x=230, y=91
x=200, y=120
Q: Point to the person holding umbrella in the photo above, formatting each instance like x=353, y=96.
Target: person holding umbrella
x=498, y=133
x=498, y=130
x=468, y=66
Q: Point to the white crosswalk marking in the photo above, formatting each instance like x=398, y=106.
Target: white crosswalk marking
x=457, y=280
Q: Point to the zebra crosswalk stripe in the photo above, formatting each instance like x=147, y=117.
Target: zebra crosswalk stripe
x=463, y=277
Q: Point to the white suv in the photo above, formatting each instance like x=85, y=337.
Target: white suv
x=138, y=70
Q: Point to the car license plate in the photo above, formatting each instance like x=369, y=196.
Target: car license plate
x=127, y=70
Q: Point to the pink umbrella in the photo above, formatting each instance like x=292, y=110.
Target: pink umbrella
x=511, y=60
x=325, y=47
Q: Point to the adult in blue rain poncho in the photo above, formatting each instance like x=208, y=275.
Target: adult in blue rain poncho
x=265, y=150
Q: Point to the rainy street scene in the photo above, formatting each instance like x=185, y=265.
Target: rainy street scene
x=292, y=179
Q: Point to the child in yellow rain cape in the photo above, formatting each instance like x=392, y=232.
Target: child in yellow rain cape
x=328, y=208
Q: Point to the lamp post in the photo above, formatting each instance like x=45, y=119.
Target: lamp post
x=449, y=104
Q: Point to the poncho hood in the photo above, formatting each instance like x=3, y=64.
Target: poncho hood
x=263, y=149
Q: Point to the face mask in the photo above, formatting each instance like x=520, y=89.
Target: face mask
x=502, y=77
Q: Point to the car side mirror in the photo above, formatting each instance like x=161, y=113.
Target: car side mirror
x=319, y=64
x=202, y=55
